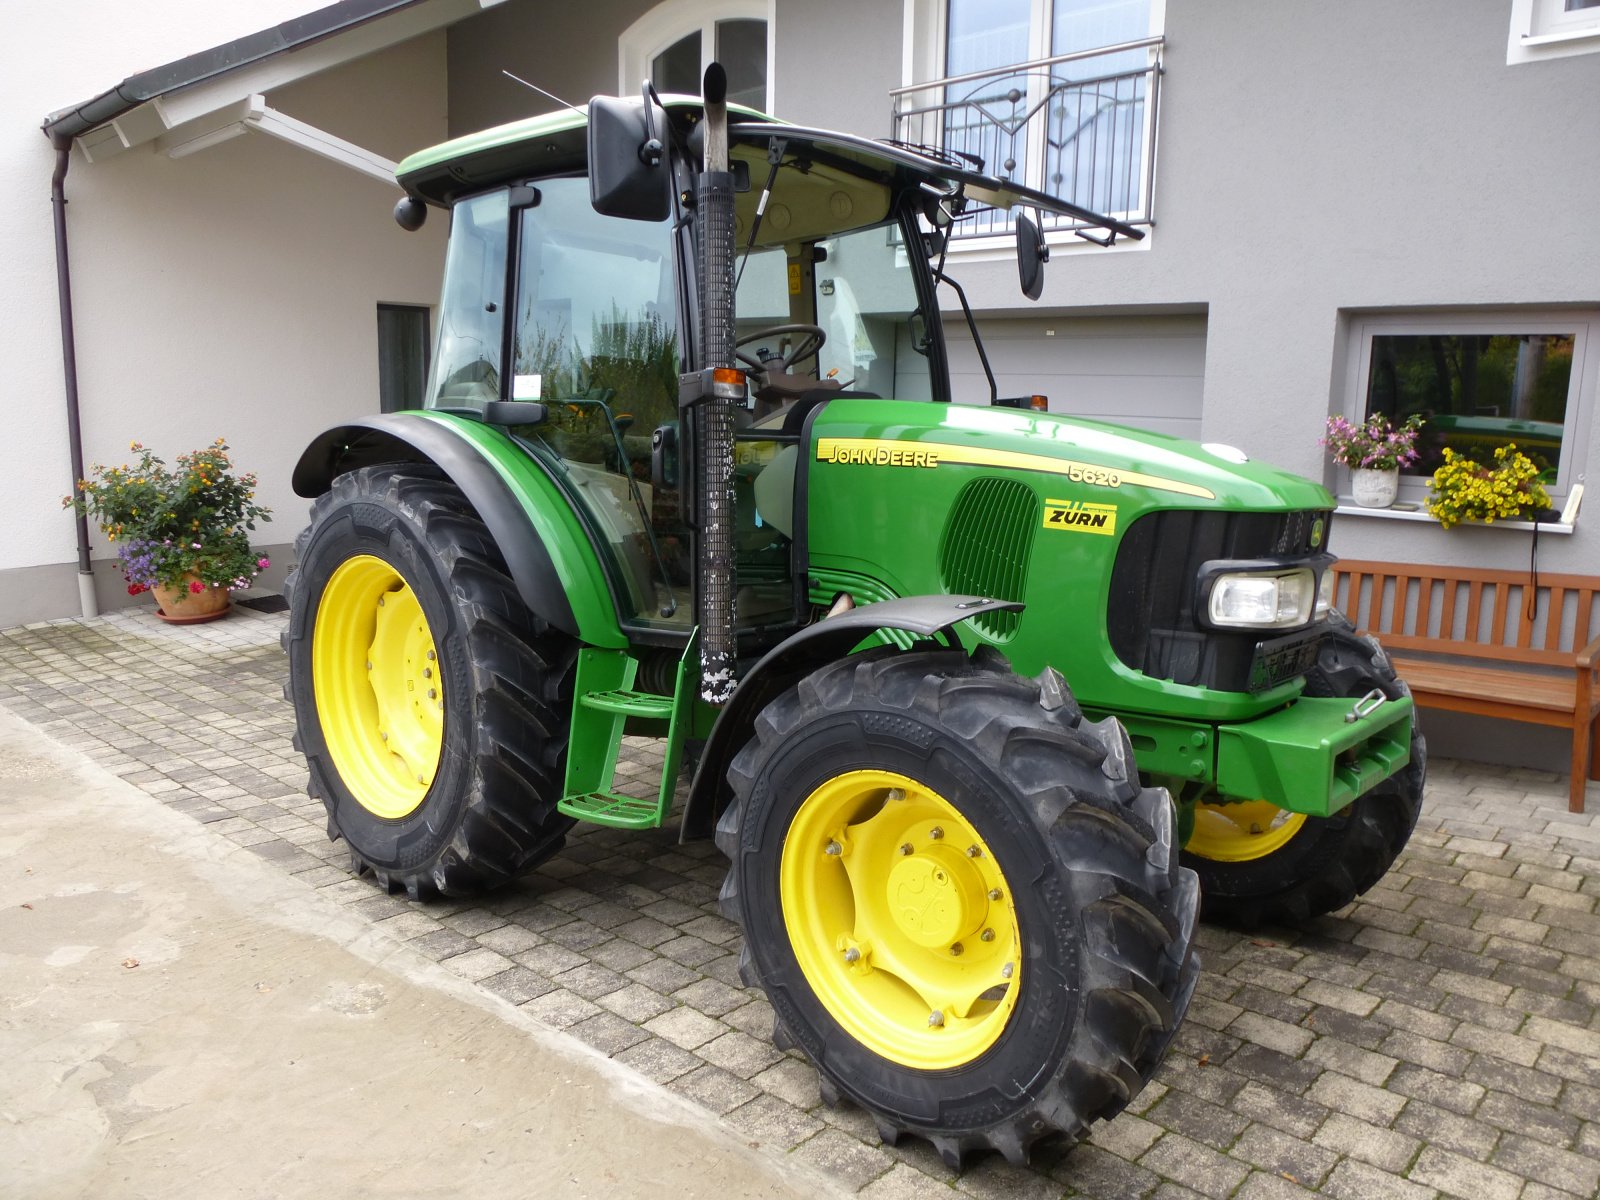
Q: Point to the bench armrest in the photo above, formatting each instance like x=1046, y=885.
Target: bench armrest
x=1588, y=655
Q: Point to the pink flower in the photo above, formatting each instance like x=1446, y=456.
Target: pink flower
x=196, y=586
x=196, y=545
x=263, y=563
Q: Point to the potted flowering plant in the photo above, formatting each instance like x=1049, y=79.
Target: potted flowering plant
x=1374, y=451
x=180, y=532
x=1466, y=490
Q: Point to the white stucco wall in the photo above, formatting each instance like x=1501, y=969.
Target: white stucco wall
x=229, y=293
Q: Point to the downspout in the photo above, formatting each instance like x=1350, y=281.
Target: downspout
x=69, y=367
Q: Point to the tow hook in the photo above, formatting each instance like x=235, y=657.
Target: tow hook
x=1366, y=706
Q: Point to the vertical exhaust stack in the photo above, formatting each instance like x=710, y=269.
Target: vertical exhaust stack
x=714, y=227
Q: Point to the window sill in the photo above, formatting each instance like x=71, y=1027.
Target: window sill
x=1401, y=514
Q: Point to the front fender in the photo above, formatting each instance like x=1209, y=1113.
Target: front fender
x=551, y=560
x=796, y=657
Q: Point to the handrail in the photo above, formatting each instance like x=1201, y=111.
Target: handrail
x=1090, y=140
x=1033, y=65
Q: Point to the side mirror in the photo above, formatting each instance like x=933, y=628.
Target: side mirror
x=628, y=173
x=1032, y=254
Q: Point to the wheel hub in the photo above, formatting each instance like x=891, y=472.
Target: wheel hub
x=935, y=897
x=900, y=919
x=1242, y=831
x=380, y=701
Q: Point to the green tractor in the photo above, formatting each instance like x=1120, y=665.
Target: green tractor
x=689, y=466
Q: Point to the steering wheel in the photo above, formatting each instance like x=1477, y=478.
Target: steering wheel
x=808, y=345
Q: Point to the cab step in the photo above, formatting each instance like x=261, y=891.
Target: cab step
x=606, y=699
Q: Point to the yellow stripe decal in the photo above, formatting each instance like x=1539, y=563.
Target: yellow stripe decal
x=888, y=452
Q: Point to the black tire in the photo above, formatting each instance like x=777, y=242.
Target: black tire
x=1105, y=920
x=489, y=813
x=1331, y=860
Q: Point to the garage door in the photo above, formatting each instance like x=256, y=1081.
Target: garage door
x=1148, y=372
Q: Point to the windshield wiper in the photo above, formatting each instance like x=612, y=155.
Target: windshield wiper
x=775, y=151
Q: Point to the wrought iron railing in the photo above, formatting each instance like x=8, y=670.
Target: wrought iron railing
x=1078, y=126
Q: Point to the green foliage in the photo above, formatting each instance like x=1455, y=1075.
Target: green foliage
x=1465, y=490
x=176, y=526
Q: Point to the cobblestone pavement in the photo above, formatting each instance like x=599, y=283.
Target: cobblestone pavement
x=1439, y=1037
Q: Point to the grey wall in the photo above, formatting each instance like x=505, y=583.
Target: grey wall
x=835, y=62
x=568, y=49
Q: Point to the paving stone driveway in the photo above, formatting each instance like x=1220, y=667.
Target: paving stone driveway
x=1441, y=1036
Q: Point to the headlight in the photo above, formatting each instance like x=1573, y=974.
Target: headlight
x=1324, y=596
x=1279, y=600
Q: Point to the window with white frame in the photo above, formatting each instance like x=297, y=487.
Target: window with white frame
x=1480, y=382
x=1543, y=29
x=1056, y=94
x=675, y=41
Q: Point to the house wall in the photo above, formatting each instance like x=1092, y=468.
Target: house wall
x=229, y=293
x=1319, y=163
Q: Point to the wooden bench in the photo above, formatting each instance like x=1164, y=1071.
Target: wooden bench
x=1465, y=640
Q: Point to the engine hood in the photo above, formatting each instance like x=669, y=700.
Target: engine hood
x=1098, y=457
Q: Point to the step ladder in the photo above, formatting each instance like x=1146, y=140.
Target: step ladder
x=606, y=698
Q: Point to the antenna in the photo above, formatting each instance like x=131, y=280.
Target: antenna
x=541, y=91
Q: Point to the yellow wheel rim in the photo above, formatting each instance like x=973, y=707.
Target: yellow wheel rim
x=901, y=919
x=375, y=674
x=1242, y=831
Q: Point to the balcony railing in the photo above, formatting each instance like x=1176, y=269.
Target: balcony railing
x=1081, y=127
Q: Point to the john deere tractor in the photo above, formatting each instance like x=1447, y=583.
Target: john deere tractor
x=956, y=682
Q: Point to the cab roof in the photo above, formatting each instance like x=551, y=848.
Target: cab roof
x=557, y=143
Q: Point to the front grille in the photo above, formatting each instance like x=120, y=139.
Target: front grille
x=1150, y=616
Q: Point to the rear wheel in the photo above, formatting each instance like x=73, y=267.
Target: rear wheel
x=430, y=704
x=1259, y=863
x=960, y=902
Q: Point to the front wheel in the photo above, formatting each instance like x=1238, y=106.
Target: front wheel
x=1259, y=863
x=430, y=704
x=960, y=902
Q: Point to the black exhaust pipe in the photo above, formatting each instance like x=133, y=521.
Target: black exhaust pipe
x=714, y=227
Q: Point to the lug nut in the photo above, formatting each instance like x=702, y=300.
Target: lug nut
x=433, y=693
x=427, y=672
x=896, y=794
x=380, y=601
x=369, y=666
x=383, y=735
x=419, y=778
x=994, y=893
x=974, y=852
x=431, y=656
x=987, y=935
x=956, y=949
x=833, y=849
x=936, y=833
x=1005, y=971
x=852, y=955
x=935, y=1019
x=905, y=848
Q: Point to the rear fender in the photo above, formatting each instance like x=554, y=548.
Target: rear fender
x=551, y=560
x=795, y=658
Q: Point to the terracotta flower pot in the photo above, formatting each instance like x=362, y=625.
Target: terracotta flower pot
x=182, y=605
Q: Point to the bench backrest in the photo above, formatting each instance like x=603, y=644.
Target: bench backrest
x=1471, y=611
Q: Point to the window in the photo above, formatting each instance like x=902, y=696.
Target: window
x=1544, y=29
x=674, y=42
x=596, y=338
x=1029, y=87
x=402, y=356
x=466, y=370
x=1480, y=382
